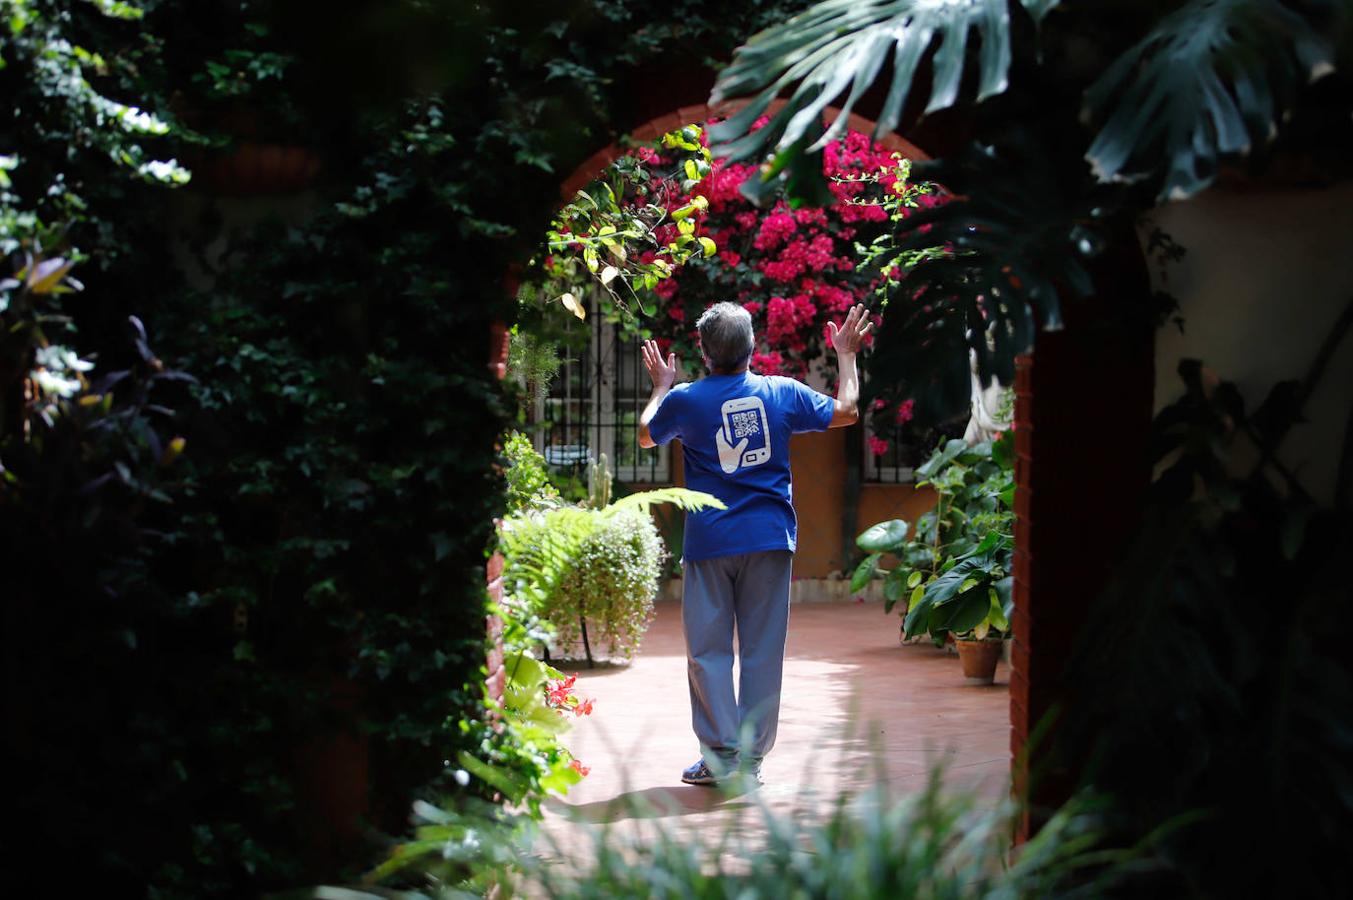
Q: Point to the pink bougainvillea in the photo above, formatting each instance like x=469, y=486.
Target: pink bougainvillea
x=792, y=269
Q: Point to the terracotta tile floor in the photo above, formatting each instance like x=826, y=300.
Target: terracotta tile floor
x=856, y=704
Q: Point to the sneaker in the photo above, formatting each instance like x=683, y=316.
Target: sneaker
x=752, y=772
x=699, y=773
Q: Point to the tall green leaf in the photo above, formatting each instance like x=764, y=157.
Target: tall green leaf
x=864, y=573
x=1213, y=78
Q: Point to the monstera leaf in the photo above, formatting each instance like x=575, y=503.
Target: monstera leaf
x=1214, y=77
x=844, y=45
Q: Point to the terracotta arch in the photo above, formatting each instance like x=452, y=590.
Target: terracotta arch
x=656, y=127
x=840, y=514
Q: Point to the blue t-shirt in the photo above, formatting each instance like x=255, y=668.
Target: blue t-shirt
x=734, y=432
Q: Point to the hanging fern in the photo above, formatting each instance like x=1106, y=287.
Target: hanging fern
x=571, y=564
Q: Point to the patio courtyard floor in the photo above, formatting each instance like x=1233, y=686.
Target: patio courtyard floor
x=857, y=707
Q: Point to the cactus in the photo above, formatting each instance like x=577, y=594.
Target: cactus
x=599, y=483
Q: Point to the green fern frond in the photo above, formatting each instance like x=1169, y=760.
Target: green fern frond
x=538, y=550
x=682, y=498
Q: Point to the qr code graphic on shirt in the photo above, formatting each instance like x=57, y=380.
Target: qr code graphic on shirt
x=745, y=424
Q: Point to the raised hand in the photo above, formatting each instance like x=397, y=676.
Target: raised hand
x=850, y=335
x=663, y=372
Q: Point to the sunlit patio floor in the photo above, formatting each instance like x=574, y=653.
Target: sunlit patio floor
x=857, y=707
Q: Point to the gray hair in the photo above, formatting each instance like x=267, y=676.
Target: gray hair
x=725, y=335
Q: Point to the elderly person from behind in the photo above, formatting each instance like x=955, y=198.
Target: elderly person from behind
x=734, y=427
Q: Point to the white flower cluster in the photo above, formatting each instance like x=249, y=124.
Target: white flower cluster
x=57, y=371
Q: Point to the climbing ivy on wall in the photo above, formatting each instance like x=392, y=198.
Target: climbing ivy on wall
x=306, y=598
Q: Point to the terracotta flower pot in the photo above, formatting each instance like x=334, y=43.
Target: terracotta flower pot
x=979, y=660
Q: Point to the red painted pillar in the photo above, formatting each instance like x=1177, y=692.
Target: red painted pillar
x=1083, y=404
x=499, y=340
x=497, y=677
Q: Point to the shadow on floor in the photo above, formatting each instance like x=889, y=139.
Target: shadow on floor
x=651, y=803
x=579, y=667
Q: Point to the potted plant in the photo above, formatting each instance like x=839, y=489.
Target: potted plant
x=970, y=530
x=974, y=496
x=971, y=599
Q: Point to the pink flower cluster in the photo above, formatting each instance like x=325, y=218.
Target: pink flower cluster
x=786, y=318
x=792, y=269
x=831, y=298
x=767, y=363
x=721, y=186
x=811, y=255
x=775, y=229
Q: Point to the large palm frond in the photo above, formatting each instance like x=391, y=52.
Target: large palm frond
x=1212, y=78
x=844, y=45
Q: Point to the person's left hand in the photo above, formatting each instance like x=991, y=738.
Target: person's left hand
x=663, y=372
x=849, y=337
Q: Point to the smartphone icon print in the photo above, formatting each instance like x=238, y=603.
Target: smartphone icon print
x=745, y=419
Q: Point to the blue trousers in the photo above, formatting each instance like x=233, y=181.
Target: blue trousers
x=749, y=593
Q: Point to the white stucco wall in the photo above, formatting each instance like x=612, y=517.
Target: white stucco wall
x=1266, y=275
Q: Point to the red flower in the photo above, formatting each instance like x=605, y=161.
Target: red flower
x=785, y=270
x=775, y=228
x=583, y=709
x=581, y=769
x=558, y=694
x=877, y=446
x=906, y=411
x=767, y=363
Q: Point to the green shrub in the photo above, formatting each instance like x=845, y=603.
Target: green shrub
x=936, y=842
x=528, y=481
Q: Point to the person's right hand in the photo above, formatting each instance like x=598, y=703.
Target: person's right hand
x=850, y=335
x=663, y=372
